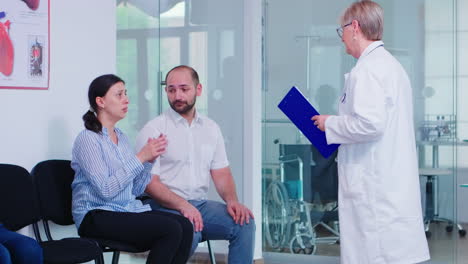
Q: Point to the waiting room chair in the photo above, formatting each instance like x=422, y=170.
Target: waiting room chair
x=53, y=179
x=19, y=208
x=210, y=252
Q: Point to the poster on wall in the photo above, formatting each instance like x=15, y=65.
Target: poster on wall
x=24, y=44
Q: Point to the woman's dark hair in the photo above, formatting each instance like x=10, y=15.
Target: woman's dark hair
x=98, y=88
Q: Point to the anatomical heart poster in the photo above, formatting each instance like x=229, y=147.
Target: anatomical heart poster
x=24, y=44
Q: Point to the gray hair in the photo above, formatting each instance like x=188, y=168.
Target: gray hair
x=370, y=17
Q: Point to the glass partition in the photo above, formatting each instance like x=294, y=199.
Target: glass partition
x=462, y=115
x=424, y=33
x=138, y=61
x=155, y=36
x=301, y=48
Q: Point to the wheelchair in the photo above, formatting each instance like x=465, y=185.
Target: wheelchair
x=293, y=213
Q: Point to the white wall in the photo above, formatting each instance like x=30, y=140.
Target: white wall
x=40, y=125
x=252, y=193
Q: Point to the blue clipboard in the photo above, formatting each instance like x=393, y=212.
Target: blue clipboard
x=298, y=109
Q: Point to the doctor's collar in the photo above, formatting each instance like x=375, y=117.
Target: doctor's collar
x=374, y=45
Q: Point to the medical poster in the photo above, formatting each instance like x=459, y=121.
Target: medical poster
x=24, y=44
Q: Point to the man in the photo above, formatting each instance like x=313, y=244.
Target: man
x=181, y=176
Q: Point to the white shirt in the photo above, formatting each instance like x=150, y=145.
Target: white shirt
x=192, y=152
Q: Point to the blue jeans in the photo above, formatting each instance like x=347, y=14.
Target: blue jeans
x=219, y=225
x=18, y=249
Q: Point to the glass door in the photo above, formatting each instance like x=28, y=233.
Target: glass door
x=208, y=35
x=302, y=49
x=138, y=61
x=155, y=36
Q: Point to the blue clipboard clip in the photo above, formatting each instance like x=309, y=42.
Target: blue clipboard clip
x=300, y=111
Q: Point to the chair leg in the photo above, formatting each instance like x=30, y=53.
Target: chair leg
x=115, y=257
x=100, y=259
x=212, y=256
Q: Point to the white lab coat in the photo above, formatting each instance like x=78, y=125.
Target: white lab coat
x=379, y=193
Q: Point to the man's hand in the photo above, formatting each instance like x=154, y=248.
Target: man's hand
x=193, y=215
x=159, y=192
x=239, y=212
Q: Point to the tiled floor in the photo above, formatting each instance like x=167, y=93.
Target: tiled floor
x=445, y=248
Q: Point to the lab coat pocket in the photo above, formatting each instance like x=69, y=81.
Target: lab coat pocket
x=351, y=181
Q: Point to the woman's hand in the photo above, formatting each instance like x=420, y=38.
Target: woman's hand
x=319, y=121
x=153, y=148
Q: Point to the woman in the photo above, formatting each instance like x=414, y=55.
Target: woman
x=379, y=198
x=18, y=249
x=108, y=177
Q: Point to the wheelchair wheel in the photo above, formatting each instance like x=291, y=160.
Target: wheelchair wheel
x=276, y=216
x=303, y=244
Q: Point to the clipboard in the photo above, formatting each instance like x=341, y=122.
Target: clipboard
x=298, y=109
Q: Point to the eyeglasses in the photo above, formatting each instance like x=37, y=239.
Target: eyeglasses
x=339, y=30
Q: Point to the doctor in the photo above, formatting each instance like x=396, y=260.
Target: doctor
x=379, y=198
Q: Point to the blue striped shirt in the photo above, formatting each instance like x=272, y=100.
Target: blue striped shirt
x=108, y=176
